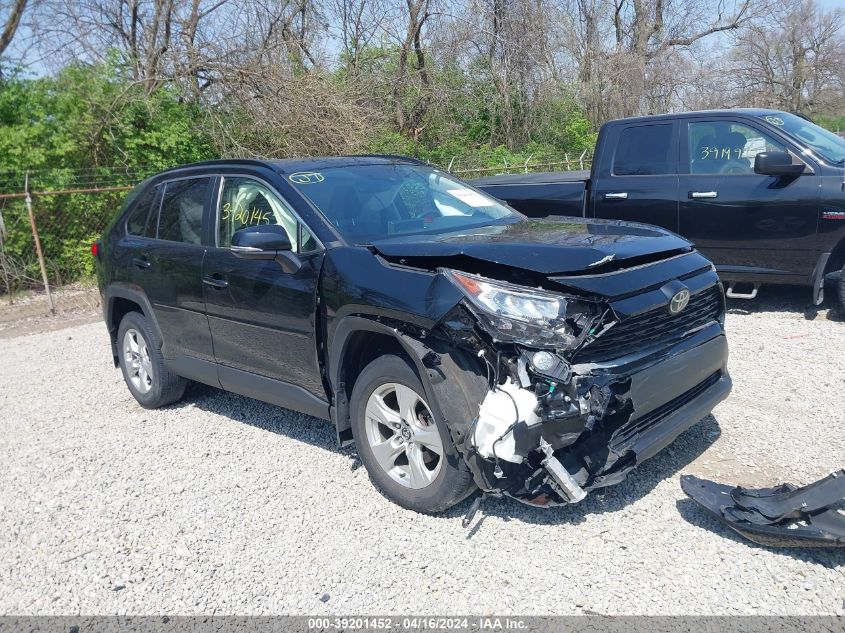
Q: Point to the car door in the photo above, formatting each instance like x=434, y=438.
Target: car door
x=263, y=318
x=167, y=264
x=639, y=180
x=746, y=222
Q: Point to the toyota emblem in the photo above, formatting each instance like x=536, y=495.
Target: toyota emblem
x=679, y=301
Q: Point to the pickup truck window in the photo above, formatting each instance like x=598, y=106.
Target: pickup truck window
x=644, y=150
x=725, y=147
x=247, y=202
x=826, y=144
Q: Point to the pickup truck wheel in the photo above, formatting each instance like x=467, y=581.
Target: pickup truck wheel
x=842, y=289
x=142, y=364
x=406, y=450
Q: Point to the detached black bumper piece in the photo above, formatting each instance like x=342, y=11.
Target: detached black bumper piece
x=784, y=516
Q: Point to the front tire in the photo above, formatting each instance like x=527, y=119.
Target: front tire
x=405, y=448
x=142, y=364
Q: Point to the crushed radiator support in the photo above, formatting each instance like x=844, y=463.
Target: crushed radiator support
x=783, y=516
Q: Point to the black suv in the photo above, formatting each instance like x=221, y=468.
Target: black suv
x=459, y=344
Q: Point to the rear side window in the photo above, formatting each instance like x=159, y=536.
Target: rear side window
x=142, y=219
x=645, y=150
x=180, y=219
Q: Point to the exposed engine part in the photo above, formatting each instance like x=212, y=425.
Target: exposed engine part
x=783, y=516
x=547, y=364
x=522, y=372
x=565, y=486
x=500, y=411
x=543, y=360
x=547, y=431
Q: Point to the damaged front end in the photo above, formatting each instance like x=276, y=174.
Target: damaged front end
x=563, y=413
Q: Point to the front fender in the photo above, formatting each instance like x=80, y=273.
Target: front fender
x=454, y=381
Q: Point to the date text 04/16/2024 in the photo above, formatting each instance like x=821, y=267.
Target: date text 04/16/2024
x=417, y=623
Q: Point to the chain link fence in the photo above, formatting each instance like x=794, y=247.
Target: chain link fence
x=69, y=209
x=478, y=166
x=58, y=212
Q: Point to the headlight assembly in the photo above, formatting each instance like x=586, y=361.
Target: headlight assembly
x=527, y=316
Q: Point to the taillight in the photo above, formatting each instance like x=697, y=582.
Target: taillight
x=95, y=249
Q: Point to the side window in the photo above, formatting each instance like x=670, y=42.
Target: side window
x=180, y=219
x=644, y=150
x=142, y=219
x=307, y=241
x=724, y=147
x=246, y=202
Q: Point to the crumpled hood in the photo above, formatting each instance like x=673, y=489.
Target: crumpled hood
x=567, y=245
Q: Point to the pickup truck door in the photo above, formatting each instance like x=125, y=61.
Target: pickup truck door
x=262, y=317
x=636, y=176
x=749, y=224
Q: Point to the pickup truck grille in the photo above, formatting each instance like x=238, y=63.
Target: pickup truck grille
x=653, y=328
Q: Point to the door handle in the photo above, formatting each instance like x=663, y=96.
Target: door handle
x=141, y=262
x=695, y=195
x=214, y=280
x=620, y=195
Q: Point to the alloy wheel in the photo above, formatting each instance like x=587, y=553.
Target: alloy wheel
x=136, y=356
x=403, y=435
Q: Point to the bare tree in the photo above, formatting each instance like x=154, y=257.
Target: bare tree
x=269, y=112
x=294, y=77
x=793, y=61
x=411, y=86
x=359, y=23
x=11, y=23
x=628, y=50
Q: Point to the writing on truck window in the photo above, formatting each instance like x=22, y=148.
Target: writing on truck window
x=726, y=147
x=715, y=153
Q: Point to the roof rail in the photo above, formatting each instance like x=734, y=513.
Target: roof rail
x=221, y=161
x=409, y=159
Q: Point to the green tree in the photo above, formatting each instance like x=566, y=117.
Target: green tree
x=87, y=127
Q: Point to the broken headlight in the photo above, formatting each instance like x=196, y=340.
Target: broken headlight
x=529, y=316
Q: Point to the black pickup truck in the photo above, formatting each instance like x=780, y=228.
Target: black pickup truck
x=760, y=192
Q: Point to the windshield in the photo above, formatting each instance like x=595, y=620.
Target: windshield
x=370, y=202
x=826, y=144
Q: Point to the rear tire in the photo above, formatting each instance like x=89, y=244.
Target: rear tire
x=405, y=448
x=142, y=364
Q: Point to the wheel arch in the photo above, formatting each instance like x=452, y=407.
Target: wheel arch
x=837, y=257
x=356, y=342
x=120, y=300
x=448, y=374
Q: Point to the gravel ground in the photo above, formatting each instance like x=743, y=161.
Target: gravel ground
x=224, y=505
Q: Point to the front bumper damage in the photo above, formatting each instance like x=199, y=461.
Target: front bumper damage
x=547, y=415
x=783, y=516
x=547, y=437
x=591, y=426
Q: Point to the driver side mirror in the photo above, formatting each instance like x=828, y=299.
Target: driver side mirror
x=264, y=241
x=776, y=163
